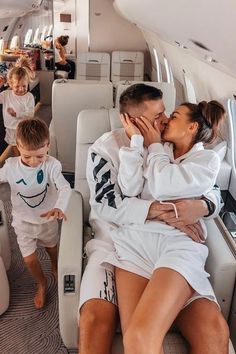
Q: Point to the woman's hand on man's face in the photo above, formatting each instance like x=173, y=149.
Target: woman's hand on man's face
x=130, y=128
x=151, y=134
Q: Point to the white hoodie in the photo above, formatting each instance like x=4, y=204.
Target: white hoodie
x=109, y=207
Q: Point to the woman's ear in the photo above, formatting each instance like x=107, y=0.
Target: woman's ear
x=193, y=127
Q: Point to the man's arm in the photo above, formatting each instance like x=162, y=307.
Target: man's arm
x=106, y=198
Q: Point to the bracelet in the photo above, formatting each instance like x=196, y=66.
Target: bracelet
x=210, y=206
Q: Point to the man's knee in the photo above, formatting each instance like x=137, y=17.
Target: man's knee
x=202, y=319
x=217, y=328
x=98, y=314
x=97, y=323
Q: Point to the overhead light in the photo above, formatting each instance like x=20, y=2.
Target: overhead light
x=181, y=45
x=200, y=45
x=210, y=59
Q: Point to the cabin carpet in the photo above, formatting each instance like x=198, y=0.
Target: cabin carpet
x=24, y=329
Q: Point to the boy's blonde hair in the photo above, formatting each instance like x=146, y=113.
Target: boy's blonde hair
x=22, y=70
x=32, y=134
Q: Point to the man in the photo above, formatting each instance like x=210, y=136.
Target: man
x=109, y=210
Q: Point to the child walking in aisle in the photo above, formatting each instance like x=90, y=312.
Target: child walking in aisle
x=39, y=196
x=17, y=102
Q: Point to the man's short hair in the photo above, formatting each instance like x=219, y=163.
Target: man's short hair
x=137, y=94
x=32, y=134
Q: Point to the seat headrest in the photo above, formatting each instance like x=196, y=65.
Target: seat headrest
x=92, y=123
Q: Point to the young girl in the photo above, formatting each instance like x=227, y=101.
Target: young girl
x=160, y=270
x=17, y=102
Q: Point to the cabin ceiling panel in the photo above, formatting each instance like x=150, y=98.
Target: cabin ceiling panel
x=211, y=22
x=16, y=8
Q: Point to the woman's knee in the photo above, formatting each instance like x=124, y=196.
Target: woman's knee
x=137, y=340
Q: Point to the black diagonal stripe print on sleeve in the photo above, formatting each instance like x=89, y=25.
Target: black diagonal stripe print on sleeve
x=105, y=178
x=105, y=185
x=97, y=168
x=111, y=199
x=93, y=155
x=104, y=193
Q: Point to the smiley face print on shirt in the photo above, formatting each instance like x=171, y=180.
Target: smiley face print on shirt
x=36, y=199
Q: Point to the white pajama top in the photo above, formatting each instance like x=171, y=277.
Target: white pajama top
x=35, y=190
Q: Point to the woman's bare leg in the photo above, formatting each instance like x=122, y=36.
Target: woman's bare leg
x=163, y=298
x=129, y=287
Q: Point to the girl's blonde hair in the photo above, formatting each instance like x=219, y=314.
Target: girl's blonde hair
x=22, y=70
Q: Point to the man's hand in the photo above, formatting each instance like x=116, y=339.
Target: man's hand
x=159, y=211
x=189, y=212
x=54, y=214
x=11, y=112
x=130, y=128
x=150, y=134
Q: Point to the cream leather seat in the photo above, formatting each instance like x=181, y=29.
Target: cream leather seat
x=127, y=66
x=5, y=261
x=75, y=232
x=93, y=66
x=69, y=97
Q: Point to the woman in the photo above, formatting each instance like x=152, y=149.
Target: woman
x=61, y=62
x=160, y=270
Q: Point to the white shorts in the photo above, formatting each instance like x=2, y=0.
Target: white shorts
x=30, y=236
x=10, y=137
x=142, y=253
x=98, y=282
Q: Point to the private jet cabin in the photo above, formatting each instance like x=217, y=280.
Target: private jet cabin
x=182, y=47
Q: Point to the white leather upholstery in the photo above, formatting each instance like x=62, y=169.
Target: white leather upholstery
x=221, y=263
x=127, y=66
x=5, y=261
x=169, y=92
x=231, y=153
x=93, y=66
x=68, y=99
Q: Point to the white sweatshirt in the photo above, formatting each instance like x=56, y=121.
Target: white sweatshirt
x=109, y=208
x=155, y=173
x=22, y=105
x=35, y=190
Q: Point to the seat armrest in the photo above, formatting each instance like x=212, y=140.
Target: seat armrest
x=221, y=264
x=70, y=269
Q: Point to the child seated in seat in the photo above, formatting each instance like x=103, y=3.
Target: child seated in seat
x=17, y=102
x=39, y=196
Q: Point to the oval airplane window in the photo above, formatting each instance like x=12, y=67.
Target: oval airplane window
x=36, y=36
x=15, y=42
x=28, y=37
x=1, y=45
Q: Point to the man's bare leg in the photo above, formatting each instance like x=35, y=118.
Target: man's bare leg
x=53, y=252
x=204, y=327
x=35, y=269
x=97, y=325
